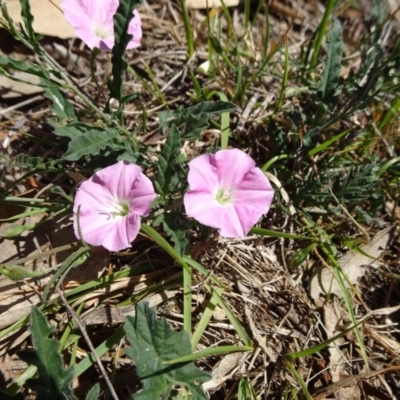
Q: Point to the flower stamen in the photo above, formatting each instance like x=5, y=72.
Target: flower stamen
x=121, y=209
x=223, y=196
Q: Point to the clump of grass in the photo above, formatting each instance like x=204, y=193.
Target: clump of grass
x=319, y=114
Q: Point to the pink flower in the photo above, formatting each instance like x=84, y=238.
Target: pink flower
x=111, y=203
x=93, y=22
x=227, y=192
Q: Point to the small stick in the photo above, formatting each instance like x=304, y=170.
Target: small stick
x=89, y=343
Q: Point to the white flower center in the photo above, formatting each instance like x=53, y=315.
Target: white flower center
x=121, y=209
x=224, y=196
x=103, y=32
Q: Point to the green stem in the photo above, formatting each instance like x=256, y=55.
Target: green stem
x=188, y=29
x=321, y=31
x=187, y=301
x=187, y=274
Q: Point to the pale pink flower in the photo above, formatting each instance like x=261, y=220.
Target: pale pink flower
x=228, y=192
x=93, y=22
x=111, y=204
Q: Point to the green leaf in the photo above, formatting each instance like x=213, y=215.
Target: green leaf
x=216, y=44
x=91, y=142
x=26, y=66
x=167, y=180
x=8, y=22
x=330, y=76
x=53, y=382
x=175, y=226
x=246, y=390
x=122, y=18
x=26, y=161
x=16, y=230
x=18, y=273
x=210, y=108
x=94, y=393
x=300, y=255
x=27, y=17
x=195, y=124
x=182, y=115
x=194, y=119
x=65, y=130
x=154, y=342
x=61, y=106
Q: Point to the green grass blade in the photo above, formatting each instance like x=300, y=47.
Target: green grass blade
x=233, y=320
x=266, y=232
x=188, y=28
x=321, y=31
x=329, y=142
x=285, y=78
x=213, y=351
x=205, y=319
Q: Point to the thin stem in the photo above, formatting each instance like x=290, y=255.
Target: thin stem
x=188, y=28
x=321, y=31
x=89, y=343
x=187, y=301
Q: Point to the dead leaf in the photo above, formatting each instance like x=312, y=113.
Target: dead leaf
x=48, y=17
x=17, y=297
x=353, y=264
x=224, y=371
x=334, y=387
x=261, y=340
x=337, y=360
x=18, y=87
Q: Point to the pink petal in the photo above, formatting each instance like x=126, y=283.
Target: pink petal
x=234, y=171
x=203, y=173
x=142, y=195
x=254, y=192
x=232, y=225
x=198, y=204
x=89, y=16
x=135, y=29
x=100, y=197
x=119, y=178
x=248, y=217
x=124, y=233
x=101, y=12
x=233, y=165
x=113, y=233
x=105, y=44
x=205, y=209
x=94, y=197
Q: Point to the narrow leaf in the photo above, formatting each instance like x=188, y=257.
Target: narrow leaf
x=53, y=381
x=27, y=17
x=91, y=142
x=330, y=76
x=122, y=18
x=69, y=130
x=167, y=170
x=26, y=161
x=154, y=342
x=197, y=114
x=26, y=66
x=194, y=125
x=174, y=225
x=61, y=106
x=94, y=393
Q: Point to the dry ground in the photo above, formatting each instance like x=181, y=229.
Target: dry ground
x=269, y=295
